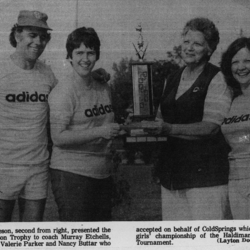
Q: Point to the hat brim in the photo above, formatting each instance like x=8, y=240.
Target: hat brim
x=37, y=26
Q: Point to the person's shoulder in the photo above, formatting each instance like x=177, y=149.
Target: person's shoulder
x=44, y=68
x=46, y=71
x=64, y=86
x=41, y=65
x=219, y=78
x=219, y=87
x=213, y=66
x=216, y=72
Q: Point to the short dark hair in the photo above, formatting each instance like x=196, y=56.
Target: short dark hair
x=84, y=35
x=226, y=62
x=207, y=27
x=18, y=29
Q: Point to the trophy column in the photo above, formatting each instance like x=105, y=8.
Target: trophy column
x=142, y=90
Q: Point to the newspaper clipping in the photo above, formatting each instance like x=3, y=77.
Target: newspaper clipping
x=124, y=124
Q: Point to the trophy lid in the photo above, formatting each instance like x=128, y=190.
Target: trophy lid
x=140, y=48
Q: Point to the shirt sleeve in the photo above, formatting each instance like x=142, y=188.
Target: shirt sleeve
x=218, y=100
x=53, y=79
x=48, y=73
x=61, y=102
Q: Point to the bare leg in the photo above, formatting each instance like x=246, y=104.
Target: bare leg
x=31, y=210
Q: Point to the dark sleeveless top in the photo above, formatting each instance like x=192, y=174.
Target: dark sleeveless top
x=191, y=163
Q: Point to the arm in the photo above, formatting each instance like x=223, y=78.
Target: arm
x=194, y=130
x=62, y=101
x=186, y=131
x=216, y=106
x=62, y=136
x=190, y=131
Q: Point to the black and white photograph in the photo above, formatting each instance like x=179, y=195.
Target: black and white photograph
x=124, y=124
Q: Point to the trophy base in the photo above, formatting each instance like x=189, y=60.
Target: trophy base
x=136, y=134
x=139, y=118
x=145, y=139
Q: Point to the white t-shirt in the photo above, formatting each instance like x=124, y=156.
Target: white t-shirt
x=82, y=108
x=236, y=130
x=23, y=112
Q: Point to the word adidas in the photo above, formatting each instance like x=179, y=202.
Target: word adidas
x=102, y=110
x=27, y=97
x=236, y=119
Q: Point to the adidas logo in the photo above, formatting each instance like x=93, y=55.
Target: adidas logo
x=236, y=119
x=102, y=110
x=27, y=97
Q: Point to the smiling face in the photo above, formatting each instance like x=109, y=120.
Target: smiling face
x=83, y=60
x=195, y=49
x=31, y=42
x=240, y=67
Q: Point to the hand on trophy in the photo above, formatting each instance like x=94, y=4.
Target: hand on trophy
x=129, y=118
x=156, y=127
x=109, y=131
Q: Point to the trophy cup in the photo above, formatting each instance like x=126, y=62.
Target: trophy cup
x=142, y=82
x=143, y=108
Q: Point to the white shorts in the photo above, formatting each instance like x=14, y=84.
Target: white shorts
x=239, y=197
x=204, y=203
x=23, y=181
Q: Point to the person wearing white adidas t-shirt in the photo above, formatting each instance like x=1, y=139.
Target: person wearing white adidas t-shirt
x=236, y=126
x=82, y=126
x=25, y=83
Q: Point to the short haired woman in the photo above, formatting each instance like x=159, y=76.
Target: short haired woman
x=82, y=129
x=193, y=166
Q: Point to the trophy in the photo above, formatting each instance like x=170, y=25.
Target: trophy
x=142, y=82
x=142, y=94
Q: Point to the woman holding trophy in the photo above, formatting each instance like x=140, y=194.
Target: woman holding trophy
x=82, y=128
x=193, y=165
